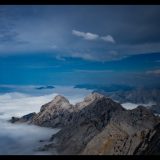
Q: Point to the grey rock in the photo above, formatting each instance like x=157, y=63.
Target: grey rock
x=98, y=125
x=14, y=119
x=25, y=118
x=120, y=135
x=54, y=113
x=152, y=141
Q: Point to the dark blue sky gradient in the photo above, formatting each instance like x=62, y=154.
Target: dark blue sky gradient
x=68, y=45
x=45, y=69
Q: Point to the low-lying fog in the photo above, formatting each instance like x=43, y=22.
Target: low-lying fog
x=131, y=106
x=22, y=138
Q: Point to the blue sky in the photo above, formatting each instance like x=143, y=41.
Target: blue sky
x=68, y=45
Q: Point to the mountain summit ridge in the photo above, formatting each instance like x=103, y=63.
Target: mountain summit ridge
x=98, y=125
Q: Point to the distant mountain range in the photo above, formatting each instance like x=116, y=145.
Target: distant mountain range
x=97, y=126
x=45, y=87
x=124, y=93
x=106, y=88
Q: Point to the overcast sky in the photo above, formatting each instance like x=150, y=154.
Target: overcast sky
x=101, y=35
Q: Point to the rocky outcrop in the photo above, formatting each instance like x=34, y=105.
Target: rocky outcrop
x=124, y=134
x=87, y=122
x=55, y=113
x=153, y=143
x=117, y=133
x=26, y=118
x=98, y=125
x=59, y=112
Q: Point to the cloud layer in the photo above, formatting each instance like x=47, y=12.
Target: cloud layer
x=101, y=30
x=23, y=139
x=93, y=36
x=131, y=106
x=108, y=38
x=87, y=36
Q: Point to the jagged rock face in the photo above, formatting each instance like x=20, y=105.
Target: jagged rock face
x=25, y=118
x=54, y=113
x=122, y=134
x=125, y=134
x=88, y=100
x=152, y=141
x=99, y=125
x=60, y=113
x=85, y=124
x=104, y=127
x=115, y=141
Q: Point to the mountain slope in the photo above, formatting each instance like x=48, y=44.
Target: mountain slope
x=98, y=125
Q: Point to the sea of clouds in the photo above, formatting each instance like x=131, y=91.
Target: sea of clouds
x=131, y=106
x=23, y=139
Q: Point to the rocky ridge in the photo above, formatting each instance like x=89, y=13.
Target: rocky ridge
x=98, y=125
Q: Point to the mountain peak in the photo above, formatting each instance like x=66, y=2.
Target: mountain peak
x=57, y=102
x=93, y=96
x=60, y=99
x=101, y=126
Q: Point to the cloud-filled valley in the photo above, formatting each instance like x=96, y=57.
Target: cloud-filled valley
x=110, y=51
x=23, y=138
